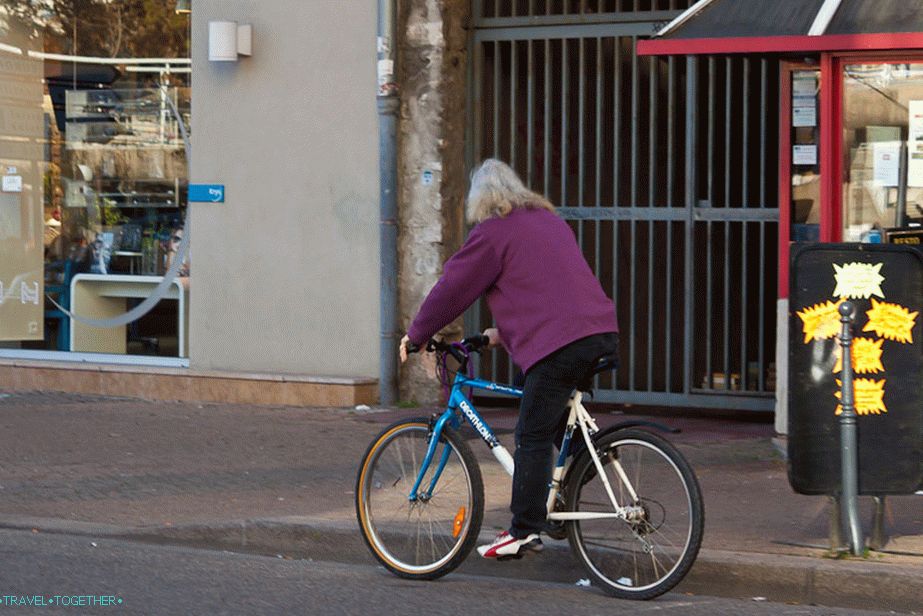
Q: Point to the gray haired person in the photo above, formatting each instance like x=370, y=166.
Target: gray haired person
x=552, y=316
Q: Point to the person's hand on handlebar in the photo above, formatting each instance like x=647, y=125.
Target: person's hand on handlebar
x=405, y=341
x=428, y=361
x=494, y=335
x=491, y=336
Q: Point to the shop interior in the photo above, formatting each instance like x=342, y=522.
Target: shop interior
x=883, y=146
x=113, y=169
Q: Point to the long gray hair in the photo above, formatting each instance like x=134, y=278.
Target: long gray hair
x=496, y=190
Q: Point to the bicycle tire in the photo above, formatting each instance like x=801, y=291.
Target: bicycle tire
x=426, y=539
x=670, y=516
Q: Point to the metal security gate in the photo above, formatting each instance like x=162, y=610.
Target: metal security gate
x=666, y=170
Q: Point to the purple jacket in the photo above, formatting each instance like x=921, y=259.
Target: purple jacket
x=541, y=291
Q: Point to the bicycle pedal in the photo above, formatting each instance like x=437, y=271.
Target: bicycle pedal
x=555, y=531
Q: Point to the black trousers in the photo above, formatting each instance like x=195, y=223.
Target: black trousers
x=548, y=387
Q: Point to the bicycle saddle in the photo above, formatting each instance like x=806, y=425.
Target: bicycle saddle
x=609, y=361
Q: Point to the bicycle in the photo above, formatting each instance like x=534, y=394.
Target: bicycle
x=628, y=502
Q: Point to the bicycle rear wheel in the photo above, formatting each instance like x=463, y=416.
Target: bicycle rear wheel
x=429, y=537
x=650, y=552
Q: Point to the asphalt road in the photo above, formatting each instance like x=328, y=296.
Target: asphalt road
x=122, y=577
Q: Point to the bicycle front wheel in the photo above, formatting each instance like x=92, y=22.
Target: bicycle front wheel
x=650, y=551
x=428, y=537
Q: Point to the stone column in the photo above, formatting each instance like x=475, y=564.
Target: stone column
x=432, y=68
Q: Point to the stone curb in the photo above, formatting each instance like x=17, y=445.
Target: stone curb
x=743, y=575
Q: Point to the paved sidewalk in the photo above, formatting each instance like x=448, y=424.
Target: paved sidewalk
x=281, y=480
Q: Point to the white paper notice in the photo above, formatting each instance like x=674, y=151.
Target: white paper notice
x=915, y=120
x=12, y=183
x=804, y=111
x=886, y=162
x=804, y=85
x=915, y=164
x=804, y=154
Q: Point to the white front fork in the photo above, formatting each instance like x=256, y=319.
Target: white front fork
x=504, y=458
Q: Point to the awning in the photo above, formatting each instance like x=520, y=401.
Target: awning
x=780, y=26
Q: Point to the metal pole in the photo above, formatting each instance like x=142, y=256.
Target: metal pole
x=691, y=197
x=879, y=538
x=849, y=458
x=900, y=216
x=388, y=105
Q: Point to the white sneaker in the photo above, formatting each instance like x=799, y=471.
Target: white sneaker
x=506, y=546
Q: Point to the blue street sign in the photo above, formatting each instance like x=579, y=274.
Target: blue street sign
x=206, y=193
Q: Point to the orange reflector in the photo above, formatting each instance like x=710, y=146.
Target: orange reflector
x=459, y=521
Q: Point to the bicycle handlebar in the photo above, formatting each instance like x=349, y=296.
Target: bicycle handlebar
x=472, y=344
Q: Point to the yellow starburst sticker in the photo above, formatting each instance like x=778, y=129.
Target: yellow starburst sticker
x=891, y=321
x=820, y=321
x=858, y=280
x=869, y=396
x=866, y=356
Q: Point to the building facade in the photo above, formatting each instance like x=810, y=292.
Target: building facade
x=666, y=166
x=280, y=296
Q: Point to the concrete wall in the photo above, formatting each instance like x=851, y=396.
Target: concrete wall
x=285, y=272
x=782, y=318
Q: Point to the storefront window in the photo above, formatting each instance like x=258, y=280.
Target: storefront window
x=883, y=149
x=94, y=171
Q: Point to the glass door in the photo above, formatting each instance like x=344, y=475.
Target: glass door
x=800, y=211
x=804, y=171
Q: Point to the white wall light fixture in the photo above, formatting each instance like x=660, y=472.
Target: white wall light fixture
x=227, y=40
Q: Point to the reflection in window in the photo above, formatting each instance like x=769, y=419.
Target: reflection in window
x=87, y=92
x=883, y=149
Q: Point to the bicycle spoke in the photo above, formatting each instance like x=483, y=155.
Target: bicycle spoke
x=443, y=485
x=606, y=546
x=400, y=460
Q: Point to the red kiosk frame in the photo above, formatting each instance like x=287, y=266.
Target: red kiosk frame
x=834, y=52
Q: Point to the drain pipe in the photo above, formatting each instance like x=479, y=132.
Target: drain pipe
x=388, y=105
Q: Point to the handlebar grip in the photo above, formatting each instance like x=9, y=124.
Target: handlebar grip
x=473, y=343
x=478, y=342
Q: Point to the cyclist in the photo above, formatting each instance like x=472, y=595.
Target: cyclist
x=552, y=316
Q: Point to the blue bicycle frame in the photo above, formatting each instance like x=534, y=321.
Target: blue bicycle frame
x=460, y=406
